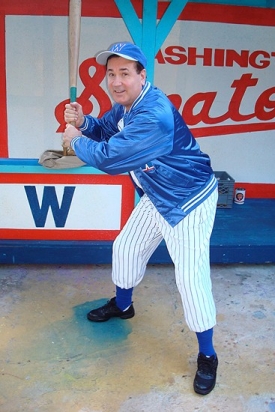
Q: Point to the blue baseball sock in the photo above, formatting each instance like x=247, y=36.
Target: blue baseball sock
x=123, y=297
x=205, y=340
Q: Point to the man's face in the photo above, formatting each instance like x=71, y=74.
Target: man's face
x=124, y=83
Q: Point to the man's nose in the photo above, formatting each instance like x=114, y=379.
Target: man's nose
x=116, y=80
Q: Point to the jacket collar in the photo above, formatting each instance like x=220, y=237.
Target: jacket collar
x=143, y=92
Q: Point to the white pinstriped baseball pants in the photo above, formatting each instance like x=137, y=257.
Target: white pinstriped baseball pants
x=188, y=246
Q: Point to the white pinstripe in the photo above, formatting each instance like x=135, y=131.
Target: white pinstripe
x=188, y=246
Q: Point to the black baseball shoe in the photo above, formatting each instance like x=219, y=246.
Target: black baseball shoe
x=205, y=378
x=110, y=310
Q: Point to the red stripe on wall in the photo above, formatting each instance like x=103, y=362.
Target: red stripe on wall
x=219, y=13
x=52, y=178
x=95, y=8
x=55, y=234
x=258, y=190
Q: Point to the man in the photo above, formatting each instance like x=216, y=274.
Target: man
x=145, y=135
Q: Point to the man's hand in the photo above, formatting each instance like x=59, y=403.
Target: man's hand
x=73, y=114
x=69, y=134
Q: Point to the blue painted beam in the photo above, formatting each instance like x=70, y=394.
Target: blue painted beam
x=167, y=21
x=131, y=20
x=148, y=43
x=149, y=34
x=93, y=253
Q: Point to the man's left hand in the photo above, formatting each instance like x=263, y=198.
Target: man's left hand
x=69, y=134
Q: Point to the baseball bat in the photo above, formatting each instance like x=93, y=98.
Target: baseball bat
x=74, y=42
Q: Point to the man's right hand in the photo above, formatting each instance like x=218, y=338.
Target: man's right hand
x=73, y=114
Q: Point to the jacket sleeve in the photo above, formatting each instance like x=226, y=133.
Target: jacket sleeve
x=147, y=135
x=101, y=129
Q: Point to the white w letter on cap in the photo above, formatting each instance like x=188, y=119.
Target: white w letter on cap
x=118, y=47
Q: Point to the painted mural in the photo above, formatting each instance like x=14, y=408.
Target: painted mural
x=216, y=65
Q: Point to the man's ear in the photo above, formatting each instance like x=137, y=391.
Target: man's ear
x=143, y=76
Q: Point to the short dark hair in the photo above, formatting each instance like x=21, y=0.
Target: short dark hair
x=139, y=66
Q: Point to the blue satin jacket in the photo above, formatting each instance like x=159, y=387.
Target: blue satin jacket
x=153, y=141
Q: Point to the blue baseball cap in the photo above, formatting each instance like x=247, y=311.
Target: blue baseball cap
x=126, y=50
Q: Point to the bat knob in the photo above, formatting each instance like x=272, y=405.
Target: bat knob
x=68, y=151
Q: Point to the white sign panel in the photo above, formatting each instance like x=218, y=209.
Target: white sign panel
x=77, y=207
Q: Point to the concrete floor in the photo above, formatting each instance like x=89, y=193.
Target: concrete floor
x=53, y=360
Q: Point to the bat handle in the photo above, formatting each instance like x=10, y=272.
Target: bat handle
x=67, y=150
x=73, y=94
